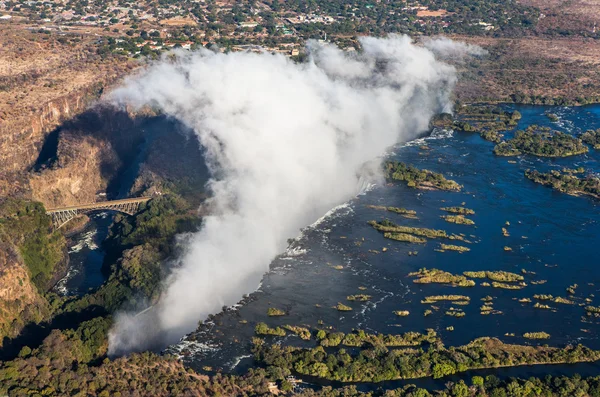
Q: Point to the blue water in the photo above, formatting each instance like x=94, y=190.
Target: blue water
x=552, y=234
x=86, y=257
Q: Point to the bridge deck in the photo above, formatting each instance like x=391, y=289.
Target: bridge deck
x=100, y=204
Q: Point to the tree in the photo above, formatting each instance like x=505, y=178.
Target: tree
x=477, y=381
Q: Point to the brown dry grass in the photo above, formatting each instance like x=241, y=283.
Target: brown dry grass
x=551, y=67
x=428, y=13
x=573, y=15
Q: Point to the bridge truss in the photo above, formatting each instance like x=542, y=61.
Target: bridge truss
x=61, y=216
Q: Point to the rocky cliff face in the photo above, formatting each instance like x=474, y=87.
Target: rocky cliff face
x=20, y=302
x=93, y=150
x=43, y=83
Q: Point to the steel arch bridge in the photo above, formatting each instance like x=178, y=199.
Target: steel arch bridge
x=60, y=216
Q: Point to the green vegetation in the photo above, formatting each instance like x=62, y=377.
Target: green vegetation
x=450, y=247
x=552, y=117
x=380, y=364
x=571, y=289
x=387, y=226
x=541, y=141
x=458, y=210
x=437, y=298
x=487, y=121
x=25, y=225
x=359, y=297
x=592, y=311
x=592, y=138
x=143, y=243
x=302, y=332
x=536, y=335
x=32, y=257
x=73, y=362
x=567, y=183
x=420, y=179
x=411, y=214
x=264, y=329
x=342, y=308
x=558, y=299
x=402, y=211
x=407, y=238
x=496, y=284
x=273, y=312
x=496, y=275
x=428, y=276
x=361, y=339
x=452, y=312
x=458, y=219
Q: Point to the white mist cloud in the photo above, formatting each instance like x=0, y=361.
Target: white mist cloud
x=448, y=49
x=285, y=142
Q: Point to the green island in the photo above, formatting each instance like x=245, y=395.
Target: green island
x=551, y=298
x=453, y=312
x=496, y=275
x=274, y=312
x=410, y=214
x=567, y=182
x=361, y=338
x=458, y=219
x=536, y=335
x=438, y=298
x=303, y=332
x=488, y=308
x=417, y=178
x=379, y=363
x=457, y=248
x=592, y=311
x=342, y=308
x=418, y=235
x=487, y=121
x=571, y=289
x=264, y=329
x=497, y=284
x=358, y=297
x=407, y=238
x=592, y=137
x=429, y=276
x=458, y=210
x=542, y=142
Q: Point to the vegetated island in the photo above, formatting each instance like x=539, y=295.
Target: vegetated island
x=436, y=276
x=458, y=219
x=592, y=137
x=487, y=121
x=376, y=363
x=417, y=178
x=410, y=234
x=458, y=210
x=542, y=142
x=411, y=214
x=499, y=278
x=567, y=182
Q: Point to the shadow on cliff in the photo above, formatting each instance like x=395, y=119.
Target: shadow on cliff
x=34, y=334
x=139, y=151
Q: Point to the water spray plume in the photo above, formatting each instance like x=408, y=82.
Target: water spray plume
x=284, y=143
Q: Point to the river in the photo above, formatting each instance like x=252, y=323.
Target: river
x=553, y=237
